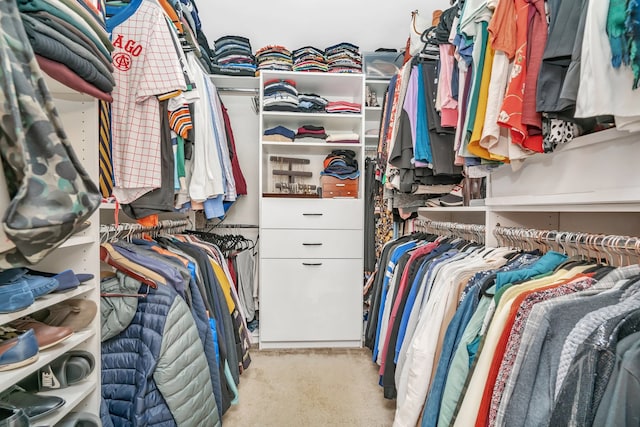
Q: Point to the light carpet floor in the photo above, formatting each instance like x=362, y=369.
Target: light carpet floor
x=324, y=387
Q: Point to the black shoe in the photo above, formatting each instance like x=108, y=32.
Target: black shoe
x=12, y=417
x=33, y=405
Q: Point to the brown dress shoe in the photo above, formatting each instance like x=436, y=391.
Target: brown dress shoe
x=47, y=336
x=75, y=313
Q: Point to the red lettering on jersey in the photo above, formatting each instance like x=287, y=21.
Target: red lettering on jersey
x=118, y=41
x=122, y=61
x=133, y=48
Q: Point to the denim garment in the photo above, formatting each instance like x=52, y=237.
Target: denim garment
x=590, y=371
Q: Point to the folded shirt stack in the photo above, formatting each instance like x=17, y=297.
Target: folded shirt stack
x=279, y=134
x=309, y=58
x=343, y=107
x=311, y=103
x=280, y=95
x=344, y=138
x=341, y=164
x=233, y=56
x=310, y=133
x=71, y=44
x=344, y=58
x=274, y=57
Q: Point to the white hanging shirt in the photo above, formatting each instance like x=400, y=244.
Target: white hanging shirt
x=604, y=90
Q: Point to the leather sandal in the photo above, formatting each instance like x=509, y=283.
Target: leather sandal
x=67, y=370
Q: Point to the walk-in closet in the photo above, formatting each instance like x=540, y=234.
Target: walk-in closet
x=273, y=214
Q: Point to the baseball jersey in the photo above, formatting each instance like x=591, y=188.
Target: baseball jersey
x=146, y=65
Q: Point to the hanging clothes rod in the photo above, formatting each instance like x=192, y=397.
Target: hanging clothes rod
x=236, y=226
x=128, y=230
x=470, y=232
x=612, y=249
x=239, y=90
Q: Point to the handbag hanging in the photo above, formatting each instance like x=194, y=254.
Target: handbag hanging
x=417, y=27
x=51, y=193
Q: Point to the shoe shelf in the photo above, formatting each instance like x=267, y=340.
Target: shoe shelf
x=80, y=253
x=48, y=301
x=73, y=396
x=78, y=241
x=8, y=378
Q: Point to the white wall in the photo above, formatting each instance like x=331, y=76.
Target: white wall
x=321, y=23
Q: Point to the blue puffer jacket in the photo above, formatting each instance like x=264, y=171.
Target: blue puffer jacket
x=154, y=372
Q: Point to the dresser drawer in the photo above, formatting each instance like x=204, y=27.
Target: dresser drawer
x=343, y=214
x=310, y=300
x=285, y=243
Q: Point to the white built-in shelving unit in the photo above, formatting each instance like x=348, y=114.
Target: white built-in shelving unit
x=79, y=114
x=311, y=249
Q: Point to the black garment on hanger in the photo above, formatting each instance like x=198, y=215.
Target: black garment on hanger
x=370, y=191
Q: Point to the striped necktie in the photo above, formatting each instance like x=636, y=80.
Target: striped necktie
x=106, y=165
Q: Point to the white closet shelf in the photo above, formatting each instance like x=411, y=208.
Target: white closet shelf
x=78, y=241
x=48, y=301
x=308, y=146
x=73, y=395
x=605, y=136
x=560, y=203
x=379, y=81
x=373, y=113
x=372, y=136
x=60, y=91
x=298, y=116
x=235, y=82
x=596, y=172
x=8, y=378
x=333, y=86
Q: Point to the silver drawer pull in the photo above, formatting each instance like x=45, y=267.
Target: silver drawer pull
x=314, y=264
x=312, y=244
x=341, y=185
x=312, y=214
